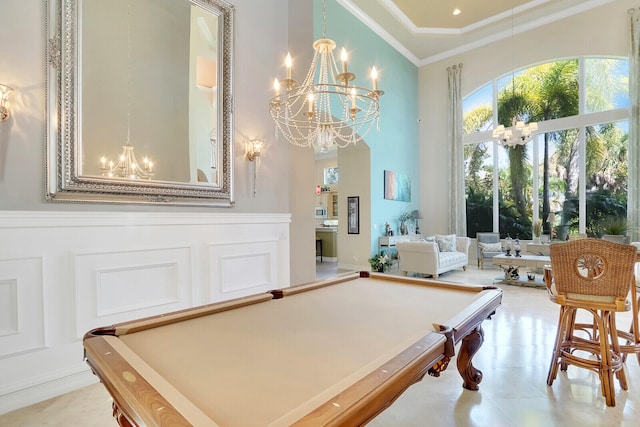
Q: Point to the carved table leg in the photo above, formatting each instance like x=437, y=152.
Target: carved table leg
x=470, y=344
x=121, y=419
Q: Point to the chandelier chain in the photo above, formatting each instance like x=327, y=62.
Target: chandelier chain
x=324, y=19
x=128, y=72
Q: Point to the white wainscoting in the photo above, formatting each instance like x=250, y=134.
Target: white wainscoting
x=65, y=273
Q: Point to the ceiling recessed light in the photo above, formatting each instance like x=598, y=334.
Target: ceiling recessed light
x=456, y=11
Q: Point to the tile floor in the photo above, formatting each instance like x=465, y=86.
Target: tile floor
x=514, y=359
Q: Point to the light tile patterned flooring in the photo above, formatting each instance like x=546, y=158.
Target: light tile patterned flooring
x=514, y=359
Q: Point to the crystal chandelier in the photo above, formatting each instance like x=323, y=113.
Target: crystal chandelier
x=518, y=134
x=325, y=109
x=127, y=166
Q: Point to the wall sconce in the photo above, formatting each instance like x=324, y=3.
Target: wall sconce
x=5, y=92
x=254, y=150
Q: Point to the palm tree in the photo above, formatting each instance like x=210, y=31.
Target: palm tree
x=478, y=180
x=606, y=151
x=554, y=94
x=514, y=101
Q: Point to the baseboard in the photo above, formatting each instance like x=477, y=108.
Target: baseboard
x=354, y=267
x=327, y=259
x=36, y=390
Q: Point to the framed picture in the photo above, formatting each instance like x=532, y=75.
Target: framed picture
x=331, y=175
x=353, y=215
x=397, y=186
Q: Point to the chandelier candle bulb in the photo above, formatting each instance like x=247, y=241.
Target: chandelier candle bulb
x=276, y=87
x=288, y=63
x=353, y=98
x=310, y=97
x=374, y=78
x=344, y=57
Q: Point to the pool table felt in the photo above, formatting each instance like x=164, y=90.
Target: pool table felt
x=273, y=362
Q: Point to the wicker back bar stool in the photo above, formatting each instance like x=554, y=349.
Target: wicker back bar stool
x=631, y=339
x=593, y=276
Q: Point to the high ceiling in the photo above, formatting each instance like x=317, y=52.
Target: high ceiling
x=426, y=30
x=438, y=14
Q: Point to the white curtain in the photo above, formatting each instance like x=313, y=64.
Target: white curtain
x=457, y=208
x=633, y=198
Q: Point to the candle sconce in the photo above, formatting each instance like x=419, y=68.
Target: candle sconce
x=5, y=93
x=254, y=150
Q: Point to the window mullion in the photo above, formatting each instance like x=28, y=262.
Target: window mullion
x=582, y=148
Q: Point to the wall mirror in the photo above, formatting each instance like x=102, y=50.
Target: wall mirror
x=139, y=101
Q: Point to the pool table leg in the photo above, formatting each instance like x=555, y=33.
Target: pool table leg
x=120, y=417
x=470, y=344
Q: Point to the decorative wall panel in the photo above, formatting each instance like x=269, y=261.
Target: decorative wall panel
x=21, y=306
x=242, y=269
x=113, y=287
x=8, y=307
x=136, y=288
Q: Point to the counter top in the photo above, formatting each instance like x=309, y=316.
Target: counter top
x=327, y=229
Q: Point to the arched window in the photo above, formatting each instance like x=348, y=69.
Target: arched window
x=572, y=177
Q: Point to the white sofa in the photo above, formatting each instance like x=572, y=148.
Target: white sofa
x=425, y=256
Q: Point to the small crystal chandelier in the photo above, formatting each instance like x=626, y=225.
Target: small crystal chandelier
x=127, y=166
x=325, y=109
x=517, y=134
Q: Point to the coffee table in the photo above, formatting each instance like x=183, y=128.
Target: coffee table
x=511, y=265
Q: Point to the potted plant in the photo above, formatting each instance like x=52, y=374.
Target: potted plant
x=536, y=228
x=615, y=230
x=403, y=218
x=380, y=263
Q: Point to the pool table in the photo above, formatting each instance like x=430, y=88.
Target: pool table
x=333, y=352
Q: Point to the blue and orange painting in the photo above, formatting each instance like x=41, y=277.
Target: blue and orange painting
x=397, y=186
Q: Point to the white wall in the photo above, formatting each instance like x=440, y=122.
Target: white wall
x=600, y=31
x=354, y=162
x=300, y=161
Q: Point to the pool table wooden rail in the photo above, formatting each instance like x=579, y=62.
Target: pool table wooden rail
x=361, y=402
x=137, y=403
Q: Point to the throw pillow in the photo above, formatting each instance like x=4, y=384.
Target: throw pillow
x=491, y=247
x=446, y=243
